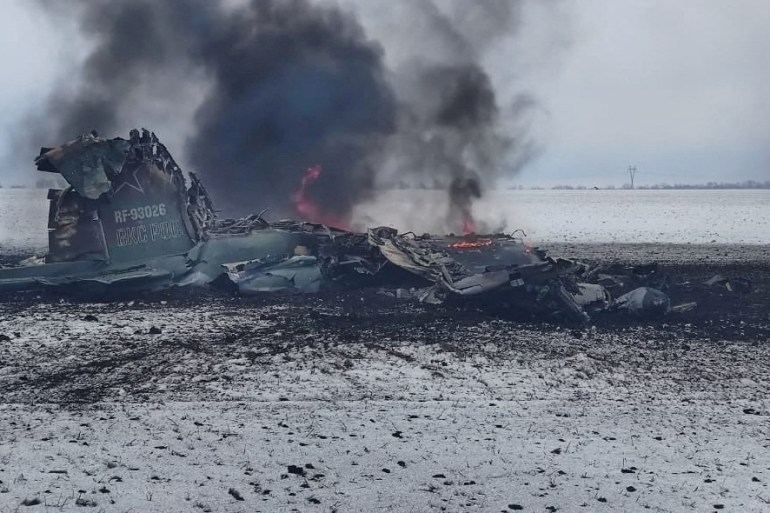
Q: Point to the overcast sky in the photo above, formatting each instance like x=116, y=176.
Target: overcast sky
x=677, y=88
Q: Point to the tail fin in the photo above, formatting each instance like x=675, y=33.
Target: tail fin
x=127, y=201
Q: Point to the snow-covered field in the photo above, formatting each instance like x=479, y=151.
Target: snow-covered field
x=23, y=220
x=316, y=405
x=353, y=403
x=670, y=216
x=687, y=216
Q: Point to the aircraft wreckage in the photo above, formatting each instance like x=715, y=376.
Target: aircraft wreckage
x=130, y=221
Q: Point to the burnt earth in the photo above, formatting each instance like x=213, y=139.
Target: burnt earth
x=355, y=401
x=214, y=326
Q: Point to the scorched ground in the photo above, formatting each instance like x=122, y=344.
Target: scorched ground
x=359, y=402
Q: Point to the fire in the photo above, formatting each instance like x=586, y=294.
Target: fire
x=306, y=207
x=467, y=244
x=469, y=226
x=462, y=192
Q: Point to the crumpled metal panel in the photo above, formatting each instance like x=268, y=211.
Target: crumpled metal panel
x=89, y=163
x=499, y=264
x=480, y=283
x=644, y=301
x=297, y=274
x=418, y=257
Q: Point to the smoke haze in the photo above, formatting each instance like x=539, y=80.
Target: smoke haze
x=263, y=90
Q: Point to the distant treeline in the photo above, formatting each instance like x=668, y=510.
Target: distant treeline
x=748, y=184
x=43, y=183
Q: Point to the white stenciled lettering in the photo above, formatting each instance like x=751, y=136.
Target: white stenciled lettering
x=144, y=233
x=165, y=231
x=140, y=213
x=131, y=236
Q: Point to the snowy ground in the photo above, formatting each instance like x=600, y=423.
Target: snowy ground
x=361, y=403
x=617, y=216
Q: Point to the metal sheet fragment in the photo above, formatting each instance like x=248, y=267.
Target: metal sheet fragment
x=643, y=301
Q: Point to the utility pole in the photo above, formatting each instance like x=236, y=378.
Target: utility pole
x=632, y=174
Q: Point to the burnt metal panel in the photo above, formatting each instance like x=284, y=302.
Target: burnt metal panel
x=144, y=217
x=73, y=232
x=88, y=163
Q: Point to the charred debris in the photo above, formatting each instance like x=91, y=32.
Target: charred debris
x=131, y=222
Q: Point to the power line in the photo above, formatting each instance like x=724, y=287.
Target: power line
x=632, y=174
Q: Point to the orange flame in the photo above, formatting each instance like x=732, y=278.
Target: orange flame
x=467, y=244
x=469, y=226
x=307, y=208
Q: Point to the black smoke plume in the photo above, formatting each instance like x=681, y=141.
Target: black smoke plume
x=451, y=136
x=289, y=84
x=462, y=192
x=294, y=85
